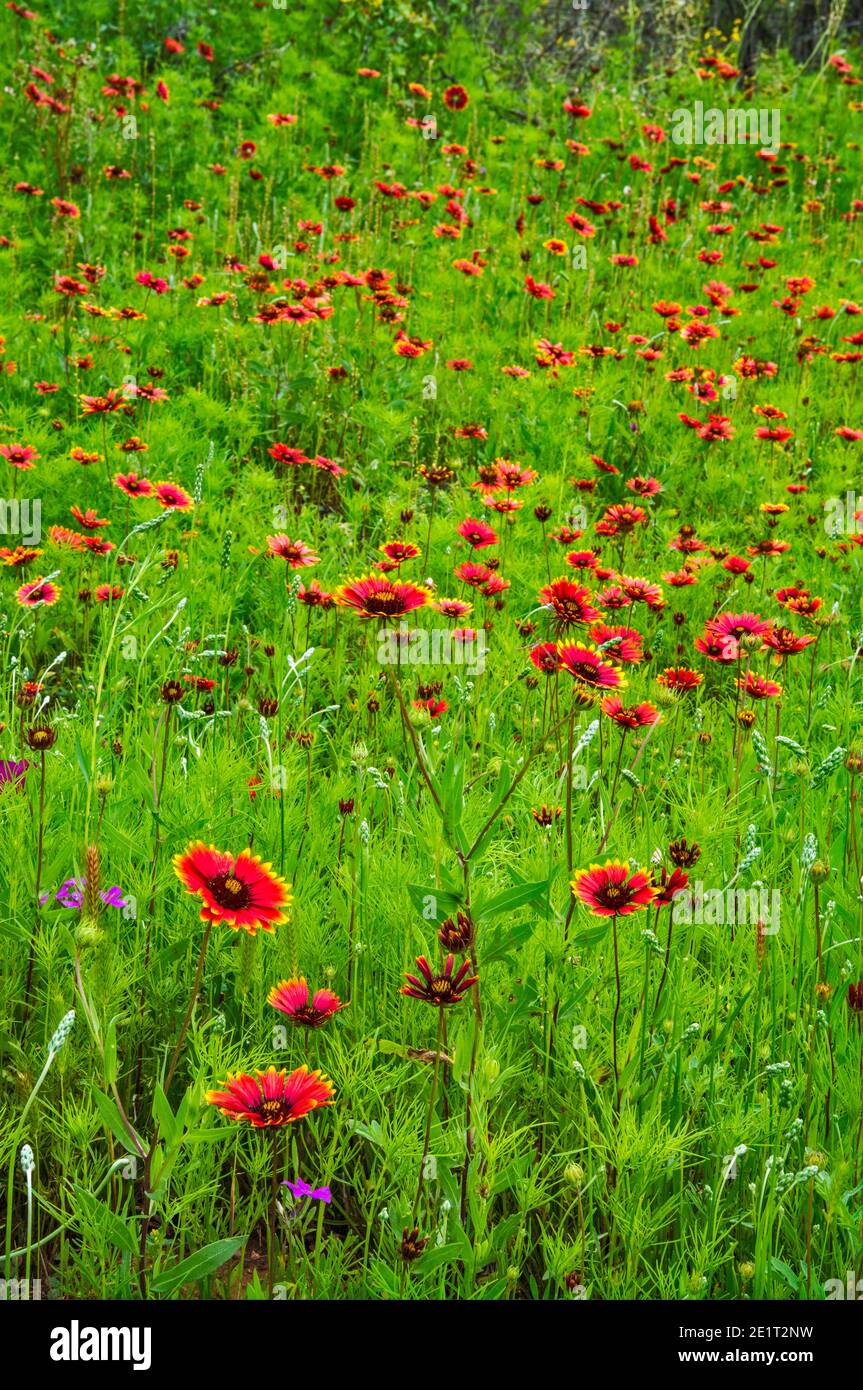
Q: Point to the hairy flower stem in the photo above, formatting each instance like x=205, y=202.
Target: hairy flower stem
x=39, y=854
x=429, y=1118
x=615, y=1017
x=151, y=906
x=193, y=998
x=271, y=1222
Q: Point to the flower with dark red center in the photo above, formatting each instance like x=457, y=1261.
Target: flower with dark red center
x=636, y=717
x=132, y=485
x=759, y=687
x=19, y=455
x=372, y=596
x=587, y=667
x=291, y=997
x=452, y=607
x=612, y=890
x=784, y=642
x=171, y=497
x=296, y=554
x=455, y=98
x=39, y=592
x=238, y=890
x=639, y=590
x=669, y=885
x=478, y=534
x=546, y=657
x=569, y=602
x=271, y=1097
x=442, y=989
x=398, y=552
x=680, y=679
x=623, y=644
x=723, y=649
x=738, y=625
x=102, y=405
x=41, y=737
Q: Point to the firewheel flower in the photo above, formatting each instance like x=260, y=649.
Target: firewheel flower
x=271, y=1097
x=375, y=597
x=636, y=717
x=586, y=666
x=441, y=989
x=291, y=997
x=40, y=592
x=296, y=554
x=238, y=890
x=613, y=890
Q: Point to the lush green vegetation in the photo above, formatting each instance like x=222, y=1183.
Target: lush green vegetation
x=449, y=300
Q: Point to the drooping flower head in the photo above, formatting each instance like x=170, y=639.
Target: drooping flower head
x=291, y=997
x=271, y=1097
x=238, y=890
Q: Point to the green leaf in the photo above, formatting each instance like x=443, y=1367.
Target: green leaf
x=504, y=941
x=170, y=1131
x=102, y=1219
x=438, y=901
x=197, y=1266
x=111, y=1119
x=512, y=898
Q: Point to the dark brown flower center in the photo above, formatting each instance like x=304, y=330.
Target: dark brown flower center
x=229, y=891
x=275, y=1110
x=583, y=671
x=384, y=604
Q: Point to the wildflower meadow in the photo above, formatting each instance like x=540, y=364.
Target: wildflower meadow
x=432, y=713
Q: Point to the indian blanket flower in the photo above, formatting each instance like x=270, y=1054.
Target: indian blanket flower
x=440, y=989
x=738, y=625
x=19, y=455
x=759, y=687
x=612, y=889
x=636, y=717
x=587, y=667
x=238, y=890
x=569, y=602
x=375, y=597
x=132, y=485
x=477, y=533
x=40, y=592
x=294, y=998
x=271, y=1097
x=679, y=679
x=171, y=497
x=296, y=554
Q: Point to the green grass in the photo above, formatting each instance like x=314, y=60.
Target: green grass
x=545, y=1177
